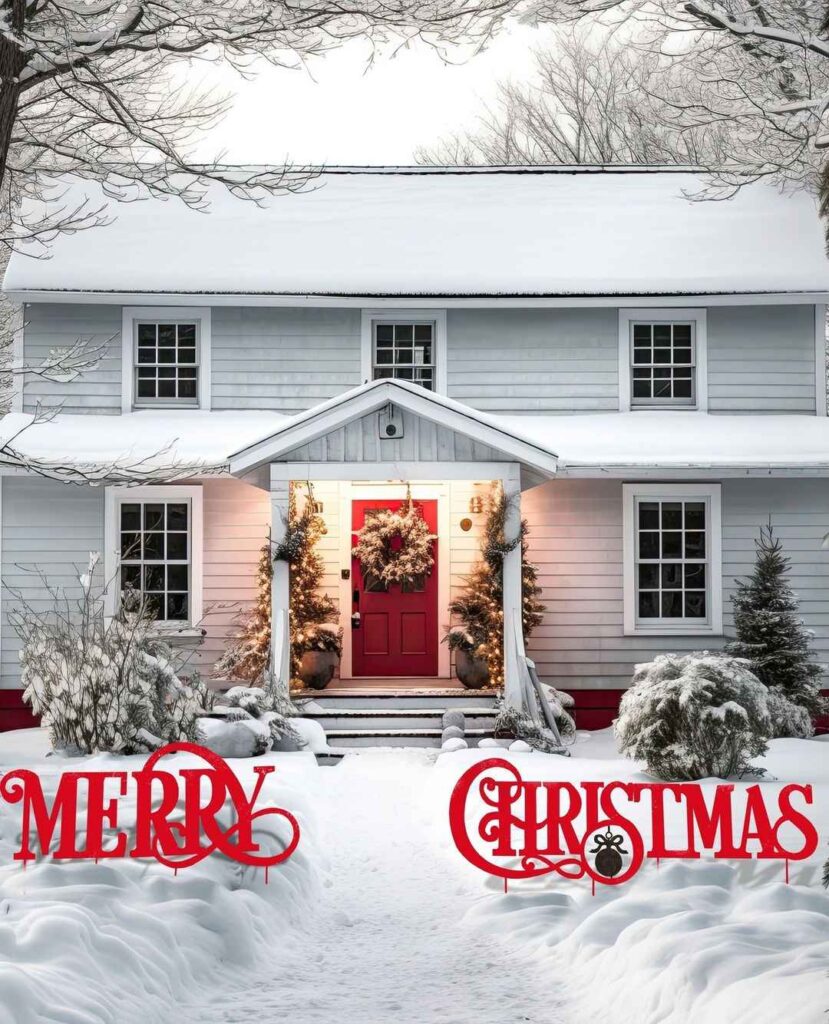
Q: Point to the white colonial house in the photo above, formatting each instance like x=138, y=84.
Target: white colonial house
x=644, y=371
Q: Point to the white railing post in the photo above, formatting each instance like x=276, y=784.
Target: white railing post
x=280, y=590
x=512, y=591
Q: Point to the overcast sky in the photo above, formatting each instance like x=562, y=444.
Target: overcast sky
x=340, y=113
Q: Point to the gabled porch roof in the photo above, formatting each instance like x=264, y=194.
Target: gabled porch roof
x=509, y=444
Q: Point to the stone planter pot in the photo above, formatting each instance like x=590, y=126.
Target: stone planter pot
x=473, y=672
x=316, y=668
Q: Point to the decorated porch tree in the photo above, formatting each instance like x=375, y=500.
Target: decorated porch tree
x=772, y=637
x=313, y=614
x=479, y=609
x=248, y=654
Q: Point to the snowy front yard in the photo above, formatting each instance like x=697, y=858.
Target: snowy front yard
x=377, y=917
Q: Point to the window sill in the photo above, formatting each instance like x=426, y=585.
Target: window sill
x=175, y=635
x=707, y=631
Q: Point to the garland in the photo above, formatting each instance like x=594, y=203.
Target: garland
x=395, y=547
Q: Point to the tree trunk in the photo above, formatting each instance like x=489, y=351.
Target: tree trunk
x=12, y=63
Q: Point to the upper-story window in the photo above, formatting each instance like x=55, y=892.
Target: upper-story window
x=405, y=345
x=405, y=352
x=166, y=353
x=662, y=360
x=166, y=362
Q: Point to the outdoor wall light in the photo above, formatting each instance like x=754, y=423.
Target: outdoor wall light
x=476, y=504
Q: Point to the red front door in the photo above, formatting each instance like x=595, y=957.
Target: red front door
x=397, y=630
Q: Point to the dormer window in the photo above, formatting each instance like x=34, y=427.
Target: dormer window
x=662, y=359
x=166, y=358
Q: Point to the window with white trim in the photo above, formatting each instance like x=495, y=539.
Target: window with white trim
x=404, y=344
x=166, y=362
x=404, y=351
x=663, y=363
x=673, y=558
x=155, y=541
x=663, y=359
x=165, y=357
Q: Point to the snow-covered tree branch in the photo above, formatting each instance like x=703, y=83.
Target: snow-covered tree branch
x=90, y=89
x=758, y=72
x=590, y=101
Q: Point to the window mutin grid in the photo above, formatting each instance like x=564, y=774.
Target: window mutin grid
x=154, y=543
x=404, y=351
x=166, y=362
x=672, y=560
x=663, y=363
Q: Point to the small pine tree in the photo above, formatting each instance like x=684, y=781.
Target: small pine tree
x=480, y=607
x=310, y=607
x=248, y=654
x=771, y=635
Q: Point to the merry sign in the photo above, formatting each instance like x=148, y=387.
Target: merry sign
x=177, y=815
x=496, y=818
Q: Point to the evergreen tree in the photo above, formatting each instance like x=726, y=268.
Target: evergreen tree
x=249, y=653
x=480, y=607
x=310, y=607
x=771, y=635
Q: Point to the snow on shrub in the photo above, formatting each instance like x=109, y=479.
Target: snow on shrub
x=103, y=684
x=560, y=701
x=250, y=720
x=695, y=716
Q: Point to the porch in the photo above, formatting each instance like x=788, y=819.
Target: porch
x=372, y=450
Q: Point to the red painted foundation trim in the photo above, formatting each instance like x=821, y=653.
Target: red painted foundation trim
x=596, y=709
x=14, y=714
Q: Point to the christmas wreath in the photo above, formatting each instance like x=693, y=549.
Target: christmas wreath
x=395, y=547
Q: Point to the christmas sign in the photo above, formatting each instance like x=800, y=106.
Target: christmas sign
x=177, y=815
x=515, y=828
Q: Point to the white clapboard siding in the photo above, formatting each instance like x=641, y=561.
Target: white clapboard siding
x=545, y=361
x=761, y=359
x=48, y=326
x=48, y=528
x=576, y=542
x=283, y=359
x=237, y=518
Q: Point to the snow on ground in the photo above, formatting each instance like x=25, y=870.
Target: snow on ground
x=682, y=943
x=377, y=917
x=123, y=941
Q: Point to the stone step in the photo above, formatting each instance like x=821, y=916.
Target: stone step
x=397, y=718
x=339, y=739
x=353, y=700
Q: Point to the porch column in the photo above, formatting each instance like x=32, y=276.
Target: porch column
x=512, y=590
x=280, y=603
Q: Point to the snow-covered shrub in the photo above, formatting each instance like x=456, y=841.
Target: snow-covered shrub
x=265, y=707
x=103, y=684
x=694, y=716
x=518, y=723
x=560, y=701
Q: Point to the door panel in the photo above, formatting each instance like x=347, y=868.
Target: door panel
x=397, y=633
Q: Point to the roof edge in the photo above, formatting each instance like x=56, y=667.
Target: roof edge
x=526, y=300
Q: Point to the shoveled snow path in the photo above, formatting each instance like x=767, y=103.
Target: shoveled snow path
x=388, y=940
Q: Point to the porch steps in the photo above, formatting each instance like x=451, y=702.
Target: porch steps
x=397, y=719
x=340, y=738
x=360, y=719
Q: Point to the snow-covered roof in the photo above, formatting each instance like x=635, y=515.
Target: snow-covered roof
x=601, y=443
x=447, y=232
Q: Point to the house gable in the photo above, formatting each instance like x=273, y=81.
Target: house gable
x=429, y=428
